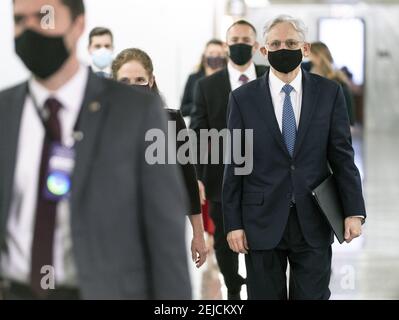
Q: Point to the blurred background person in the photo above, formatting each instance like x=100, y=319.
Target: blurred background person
x=210, y=112
x=78, y=217
x=101, y=47
x=322, y=63
x=134, y=67
x=213, y=59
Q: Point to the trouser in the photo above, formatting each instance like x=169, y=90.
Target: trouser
x=226, y=258
x=310, y=268
x=17, y=291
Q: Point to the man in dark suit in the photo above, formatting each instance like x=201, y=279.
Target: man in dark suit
x=299, y=124
x=210, y=112
x=119, y=232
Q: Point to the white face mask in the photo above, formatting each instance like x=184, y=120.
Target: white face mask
x=102, y=58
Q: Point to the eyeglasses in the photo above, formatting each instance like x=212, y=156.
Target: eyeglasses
x=289, y=44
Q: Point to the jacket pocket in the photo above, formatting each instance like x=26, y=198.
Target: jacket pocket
x=253, y=198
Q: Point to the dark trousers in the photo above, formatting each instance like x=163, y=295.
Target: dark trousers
x=226, y=258
x=310, y=268
x=18, y=291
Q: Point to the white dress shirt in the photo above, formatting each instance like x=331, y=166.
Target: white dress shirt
x=276, y=86
x=16, y=263
x=234, y=75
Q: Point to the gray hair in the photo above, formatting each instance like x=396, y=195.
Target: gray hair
x=298, y=25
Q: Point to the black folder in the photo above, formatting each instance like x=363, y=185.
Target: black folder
x=328, y=200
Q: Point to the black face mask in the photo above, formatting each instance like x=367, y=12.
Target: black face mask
x=240, y=53
x=285, y=60
x=216, y=62
x=42, y=55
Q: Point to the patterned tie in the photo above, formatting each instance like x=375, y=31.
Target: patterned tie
x=43, y=237
x=289, y=123
x=243, y=79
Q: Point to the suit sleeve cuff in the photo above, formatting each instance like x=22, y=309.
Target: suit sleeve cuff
x=359, y=216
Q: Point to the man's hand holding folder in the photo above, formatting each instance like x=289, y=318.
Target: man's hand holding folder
x=353, y=228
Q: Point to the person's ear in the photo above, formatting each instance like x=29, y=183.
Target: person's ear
x=306, y=49
x=226, y=48
x=79, y=25
x=263, y=50
x=256, y=46
x=90, y=49
x=203, y=60
x=78, y=28
x=151, y=82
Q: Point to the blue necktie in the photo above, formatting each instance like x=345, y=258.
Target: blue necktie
x=289, y=123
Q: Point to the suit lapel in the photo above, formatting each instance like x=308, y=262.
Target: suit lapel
x=225, y=90
x=9, y=140
x=90, y=120
x=309, y=99
x=226, y=85
x=266, y=109
x=260, y=70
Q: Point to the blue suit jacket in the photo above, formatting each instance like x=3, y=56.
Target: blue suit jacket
x=259, y=202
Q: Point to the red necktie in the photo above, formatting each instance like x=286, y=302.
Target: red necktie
x=43, y=237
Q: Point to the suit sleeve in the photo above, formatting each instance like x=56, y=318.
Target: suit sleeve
x=341, y=158
x=163, y=208
x=189, y=173
x=349, y=103
x=187, y=103
x=232, y=183
x=199, y=120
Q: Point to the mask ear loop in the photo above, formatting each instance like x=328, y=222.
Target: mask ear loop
x=41, y=112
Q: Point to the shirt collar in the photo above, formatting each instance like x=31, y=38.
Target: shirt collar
x=276, y=85
x=234, y=74
x=70, y=95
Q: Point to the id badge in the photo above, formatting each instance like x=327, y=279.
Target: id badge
x=59, y=172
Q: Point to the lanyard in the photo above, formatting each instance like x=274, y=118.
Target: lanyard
x=43, y=115
x=61, y=162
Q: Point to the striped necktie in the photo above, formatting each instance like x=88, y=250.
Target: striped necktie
x=289, y=129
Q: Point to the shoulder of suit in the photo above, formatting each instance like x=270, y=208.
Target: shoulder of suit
x=250, y=88
x=122, y=88
x=214, y=78
x=9, y=95
x=127, y=98
x=261, y=69
x=175, y=113
x=196, y=75
x=322, y=80
x=9, y=92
